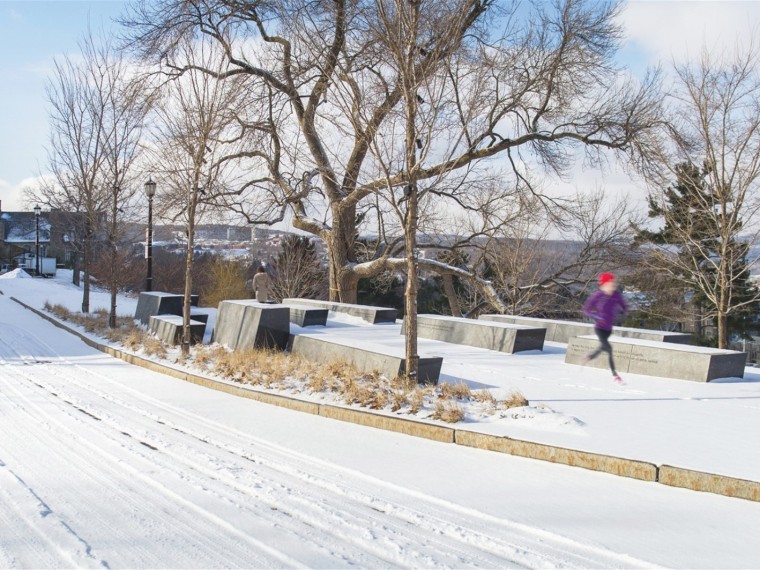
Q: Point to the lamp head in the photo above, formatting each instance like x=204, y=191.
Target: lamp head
x=37, y=210
x=150, y=188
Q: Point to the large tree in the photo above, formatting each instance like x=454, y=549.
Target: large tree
x=710, y=214
x=329, y=92
x=194, y=135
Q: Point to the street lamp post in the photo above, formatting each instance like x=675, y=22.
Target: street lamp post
x=150, y=191
x=37, y=210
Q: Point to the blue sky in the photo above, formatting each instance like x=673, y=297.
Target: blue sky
x=33, y=33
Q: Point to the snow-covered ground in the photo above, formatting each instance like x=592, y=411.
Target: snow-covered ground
x=104, y=464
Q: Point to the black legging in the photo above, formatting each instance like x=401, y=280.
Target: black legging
x=605, y=346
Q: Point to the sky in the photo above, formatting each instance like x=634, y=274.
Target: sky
x=33, y=33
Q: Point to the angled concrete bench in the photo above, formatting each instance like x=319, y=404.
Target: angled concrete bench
x=245, y=323
x=563, y=331
x=305, y=316
x=504, y=337
x=168, y=328
x=666, y=359
x=151, y=303
x=367, y=312
x=365, y=357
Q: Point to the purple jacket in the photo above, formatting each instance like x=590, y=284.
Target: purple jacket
x=604, y=308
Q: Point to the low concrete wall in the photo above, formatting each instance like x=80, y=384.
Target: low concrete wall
x=695, y=363
x=304, y=316
x=667, y=475
x=594, y=461
x=364, y=358
x=710, y=483
x=168, y=328
x=243, y=324
x=503, y=337
x=367, y=312
x=563, y=331
x=400, y=425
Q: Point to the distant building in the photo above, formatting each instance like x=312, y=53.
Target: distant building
x=19, y=237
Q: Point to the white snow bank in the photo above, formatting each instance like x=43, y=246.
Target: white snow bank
x=17, y=273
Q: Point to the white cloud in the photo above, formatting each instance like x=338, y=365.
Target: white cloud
x=668, y=30
x=12, y=195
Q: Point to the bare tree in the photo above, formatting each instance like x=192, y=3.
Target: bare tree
x=124, y=101
x=707, y=193
x=193, y=143
x=76, y=153
x=325, y=87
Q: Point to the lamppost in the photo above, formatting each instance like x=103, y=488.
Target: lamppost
x=37, y=211
x=150, y=191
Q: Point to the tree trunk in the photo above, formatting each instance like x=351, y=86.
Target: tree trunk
x=451, y=294
x=86, y=260
x=340, y=247
x=409, y=81
x=186, y=331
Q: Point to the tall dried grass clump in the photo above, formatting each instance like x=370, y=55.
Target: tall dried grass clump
x=417, y=399
x=133, y=339
x=515, y=400
x=153, y=346
x=58, y=310
x=459, y=391
x=448, y=411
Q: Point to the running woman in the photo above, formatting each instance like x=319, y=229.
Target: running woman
x=603, y=307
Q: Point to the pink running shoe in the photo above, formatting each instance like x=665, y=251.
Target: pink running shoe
x=585, y=360
x=618, y=379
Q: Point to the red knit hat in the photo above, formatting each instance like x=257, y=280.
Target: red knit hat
x=605, y=277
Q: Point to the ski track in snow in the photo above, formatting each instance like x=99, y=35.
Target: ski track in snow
x=212, y=495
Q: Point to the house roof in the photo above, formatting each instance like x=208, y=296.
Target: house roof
x=21, y=227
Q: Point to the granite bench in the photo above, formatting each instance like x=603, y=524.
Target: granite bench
x=168, y=328
x=666, y=359
x=503, y=337
x=563, y=331
x=245, y=323
x=365, y=357
x=367, y=312
x=151, y=303
x=305, y=316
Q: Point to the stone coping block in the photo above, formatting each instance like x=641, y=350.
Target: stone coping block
x=563, y=331
x=594, y=461
x=669, y=360
x=503, y=337
x=367, y=312
x=709, y=483
x=364, y=357
x=168, y=328
x=245, y=323
x=380, y=421
x=305, y=316
x=151, y=303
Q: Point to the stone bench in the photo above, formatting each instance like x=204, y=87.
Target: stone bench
x=245, y=323
x=669, y=360
x=563, y=331
x=168, y=328
x=367, y=312
x=365, y=357
x=504, y=337
x=305, y=316
x=152, y=303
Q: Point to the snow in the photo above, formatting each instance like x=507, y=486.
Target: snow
x=103, y=464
